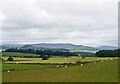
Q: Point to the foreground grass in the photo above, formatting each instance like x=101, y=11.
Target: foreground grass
x=106, y=71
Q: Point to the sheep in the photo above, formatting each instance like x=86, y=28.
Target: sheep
x=8, y=71
x=81, y=64
x=66, y=66
x=57, y=66
x=111, y=59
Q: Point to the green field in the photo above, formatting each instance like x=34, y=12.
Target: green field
x=17, y=54
x=13, y=67
x=53, y=60
x=91, y=51
x=106, y=71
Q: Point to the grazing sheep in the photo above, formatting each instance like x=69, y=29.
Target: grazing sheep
x=57, y=66
x=111, y=59
x=66, y=66
x=8, y=71
x=101, y=60
x=81, y=64
x=94, y=62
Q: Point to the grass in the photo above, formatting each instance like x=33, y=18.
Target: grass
x=6, y=54
x=106, y=71
x=13, y=67
x=17, y=54
x=53, y=60
x=91, y=51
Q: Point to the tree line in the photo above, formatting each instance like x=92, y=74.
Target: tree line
x=108, y=53
x=41, y=52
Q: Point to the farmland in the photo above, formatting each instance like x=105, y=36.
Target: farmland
x=90, y=51
x=60, y=69
x=53, y=60
x=106, y=71
x=15, y=67
x=17, y=54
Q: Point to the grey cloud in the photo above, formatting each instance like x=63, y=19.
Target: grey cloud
x=84, y=23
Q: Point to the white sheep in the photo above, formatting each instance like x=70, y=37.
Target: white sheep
x=101, y=60
x=57, y=66
x=94, y=62
x=111, y=59
x=8, y=71
x=81, y=64
x=66, y=66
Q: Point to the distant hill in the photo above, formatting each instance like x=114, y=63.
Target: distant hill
x=107, y=47
x=7, y=46
x=13, y=45
x=38, y=47
x=57, y=46
x=63, y=45
x=4, y=47
x=52, y=46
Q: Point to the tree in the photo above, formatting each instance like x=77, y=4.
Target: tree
x=10, y=59
x=45, y=57
x=83, y=57
x=108, y=53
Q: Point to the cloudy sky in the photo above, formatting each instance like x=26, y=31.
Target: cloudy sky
x=82, y=22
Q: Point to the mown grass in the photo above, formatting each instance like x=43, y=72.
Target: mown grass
x=106, y=71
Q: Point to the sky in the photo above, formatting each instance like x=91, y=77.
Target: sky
x=81, y=22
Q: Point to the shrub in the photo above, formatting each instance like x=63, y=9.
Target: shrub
x=83, y=57
x=78, y=62
x=10, y=59
x=65, y=63
x=45, y=57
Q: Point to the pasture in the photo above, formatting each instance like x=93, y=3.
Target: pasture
x=17, y=67
x=17, y=54
x=104, y=71
x=91, y=51
x=53, y=60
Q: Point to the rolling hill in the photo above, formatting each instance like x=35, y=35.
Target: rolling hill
x=64, y=46
x=107, y=47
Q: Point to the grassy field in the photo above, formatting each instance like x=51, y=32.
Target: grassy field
x=13, y=67
x=6, y=54
x=91, y=51
x=17, y=54
x=53, y=60
x=106, y=71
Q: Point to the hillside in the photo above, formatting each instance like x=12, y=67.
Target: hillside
x=57, y=46
x=61, y=45
x=107, y=47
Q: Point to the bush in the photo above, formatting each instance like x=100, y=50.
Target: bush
x=10, y=59
x=78, y=62
x=45, y=57
x=83, y=57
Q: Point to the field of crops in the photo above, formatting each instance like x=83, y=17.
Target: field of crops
x=104, y=71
